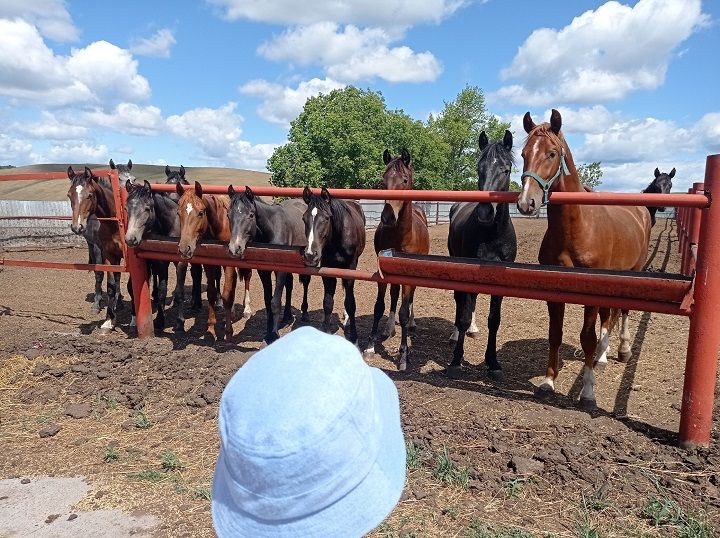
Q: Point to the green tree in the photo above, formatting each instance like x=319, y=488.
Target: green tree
x=590, y=174
x=339, y=138
x=515, y=186
x=459, y=125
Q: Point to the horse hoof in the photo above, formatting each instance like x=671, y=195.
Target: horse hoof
x=453, y=339
x=624, y=356
x=104, y=331
x=402, y=365
x=95, y=309
x=305, y=317
x=179, y=329
x=587, y=404
x=454, y=372
x=119, y=305
x=599, y=366
x=369, y=350
x=247, y=313
x=287, y=321
x=544, y=391
x=496, y=375
x=474, y=334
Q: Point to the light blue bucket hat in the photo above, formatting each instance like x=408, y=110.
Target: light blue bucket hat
x=311, y=443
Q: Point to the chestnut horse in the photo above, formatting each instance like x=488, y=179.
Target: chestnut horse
x=601, y=237
x=404, y=228
x=206, y=217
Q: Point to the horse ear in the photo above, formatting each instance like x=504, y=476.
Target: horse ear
x=146, y=184
x=231, y=191
x=89, y=174
x=129, y=164
x=528, y=123
x=387, y=157
x=672, y=173
x=179, y=189
x=128, y=185
x=167, y=171
x=249, y=193
x=307, y=195
x=508, y=140
x=198, y=189
x=405, y=155
x=71, y=173
x=483, y=141
x=325, y=194
x=112, y=165
x=555, y=121
x=182, y=171
x=657, y=173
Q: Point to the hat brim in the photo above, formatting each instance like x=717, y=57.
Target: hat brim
x=355, y=514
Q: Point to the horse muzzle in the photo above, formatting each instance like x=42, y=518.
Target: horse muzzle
x=236, y=250
x=78, y=228
x=311, y=260
x=186, y=251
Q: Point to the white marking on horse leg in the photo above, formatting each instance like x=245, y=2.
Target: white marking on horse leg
x=588, y=390
x=311, y=235
x=247, y=310
x=346, y=317
x=390, y=327
x=455, y=335
x=603, y=349
x=548, y=384
x=411, y=321
x=133, y=322
x=473, y=327
x=624, y=335
x=107, y=325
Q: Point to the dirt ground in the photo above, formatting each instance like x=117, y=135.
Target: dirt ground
x=485, y=457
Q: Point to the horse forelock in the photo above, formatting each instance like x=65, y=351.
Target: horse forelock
x=497, y=150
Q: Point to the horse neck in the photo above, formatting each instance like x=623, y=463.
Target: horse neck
x=167, y=221
x=264, y=214
x=567, y=216
x=105, y=199
x=218, y=227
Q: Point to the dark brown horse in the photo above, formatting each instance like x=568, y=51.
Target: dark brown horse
x=91, y=196
x=403, y=227
x=602, y=237
x=206, y=217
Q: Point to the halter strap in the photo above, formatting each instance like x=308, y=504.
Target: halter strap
x=547, y=185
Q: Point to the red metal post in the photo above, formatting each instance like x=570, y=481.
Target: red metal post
x=140, y=283
x=694, y=233
x=704, y=337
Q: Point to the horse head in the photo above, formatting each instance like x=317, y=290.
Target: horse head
x=173, y=177
x=661, y=184
x=140, y=210
x=123, y=170
x=318, y=224
x=545, y=159
x=398, y=175
x=83, y=197
x=243, y=220
x=192, y=210
x=493, y=168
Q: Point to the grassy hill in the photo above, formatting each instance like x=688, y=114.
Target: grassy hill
x=57, y=189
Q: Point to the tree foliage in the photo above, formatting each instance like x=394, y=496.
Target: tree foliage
x=590, y=174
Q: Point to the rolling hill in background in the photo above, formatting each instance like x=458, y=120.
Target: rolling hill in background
x=57, y=189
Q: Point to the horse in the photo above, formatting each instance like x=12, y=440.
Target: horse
x=335, y=231
x=252, y=219
x=662, y=184
x=206, y=217
x=90, y=197
x=484, y=231
x=123, y=171
x=602, y=237
x=404, y=228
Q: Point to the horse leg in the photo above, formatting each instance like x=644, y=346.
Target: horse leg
x=196, y=273
x=394, y=294
x=603, y=344
x=473, y=330
x=228, y=299
x=162, y=270
x=133, y=323
x=405, y=307
x=624, y=351
x=112, y=290
x=118, y=299
x=588, y=340
x=377, y=314
x=218, y=274
x=276, y=302
x=95, y=257
x=179, y=296
x=287, y=318
x=329, y=284
x=266, y=279
x=494, y=368
x=350, y=308
x=212, y=296
x=555, y=332
x=463, y=310
x=305, y=279
x=247, y=310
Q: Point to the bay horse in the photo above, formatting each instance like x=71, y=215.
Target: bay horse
x=484, y=231
x=404, y=228
x=91, y=196
x=253, y=220
x=206, y=217
x=602, y=237
x=661, y=184
x=335, y=231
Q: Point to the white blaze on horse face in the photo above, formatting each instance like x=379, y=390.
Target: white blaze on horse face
x=188, y=208
x=311, y=235
x=79, y=191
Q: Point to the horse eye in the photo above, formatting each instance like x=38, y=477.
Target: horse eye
x=404, y=180
x=201, y=213
x=552, y=154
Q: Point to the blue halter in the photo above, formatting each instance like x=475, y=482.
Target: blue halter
x=547, y=185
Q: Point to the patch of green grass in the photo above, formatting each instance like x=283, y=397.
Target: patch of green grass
x=203, y=493
x=597, y=500
x=170, y=462
x=110, y=401
x=414, y=455
x=480, y=529
x=142, y=421
x=665, y=512
x=111, y=455
x=514, y=487
x=151, y=475
x=585, y=529
x=451, y=511
x=446, y=470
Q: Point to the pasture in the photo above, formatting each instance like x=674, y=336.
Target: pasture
x=485, y=458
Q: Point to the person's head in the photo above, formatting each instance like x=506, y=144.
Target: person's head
x=311, y=443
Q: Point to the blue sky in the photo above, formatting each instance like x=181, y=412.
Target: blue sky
x=217, y=82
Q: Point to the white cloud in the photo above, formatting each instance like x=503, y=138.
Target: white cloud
x=217, y=131
x=50, y=16
x=51, y=128
x=282, y=104
x=159, y=44
x=75, y=152
x=128, y=118
x=14, y=151
x=372, y=12
x=351, y=53
x=602, y=54
x=635, y=176
x=707, y=130
x=31, y=71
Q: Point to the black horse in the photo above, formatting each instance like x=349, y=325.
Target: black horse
x=484, y=231
x=253, y=220
x=335, y=231
x=662, y=184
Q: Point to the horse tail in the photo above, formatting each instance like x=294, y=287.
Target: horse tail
x=613, y=320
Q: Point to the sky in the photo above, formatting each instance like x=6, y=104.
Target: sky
x=217, y=82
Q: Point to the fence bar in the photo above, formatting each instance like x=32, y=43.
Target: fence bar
x=63, y=265
x=704, y=337
x=49, y=217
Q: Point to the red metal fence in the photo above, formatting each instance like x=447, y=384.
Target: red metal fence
x=695, y=294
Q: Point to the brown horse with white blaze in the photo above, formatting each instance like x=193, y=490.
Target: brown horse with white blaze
x=601, y=237
x=207, y=217
x=404, y=228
